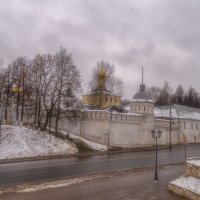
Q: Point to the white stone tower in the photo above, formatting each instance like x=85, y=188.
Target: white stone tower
x=143, y=104
x=142, y=101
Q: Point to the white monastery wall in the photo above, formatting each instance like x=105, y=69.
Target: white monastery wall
x=191, y=129
x=125, y=130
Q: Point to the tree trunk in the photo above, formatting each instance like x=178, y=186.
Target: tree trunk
x=57, y=115
x=36, y=110
x=18, y=99
x=7, y=96
x=6, y=106
x=46, y=120
x=39, y=111
x=23, y=96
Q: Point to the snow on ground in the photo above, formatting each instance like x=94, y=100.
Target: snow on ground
x=189, y=183
x=17, y=142
x=194, y=161
x=92, y=145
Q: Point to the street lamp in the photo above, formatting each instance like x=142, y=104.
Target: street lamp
x=0, y=119
x=155, y=136
x=185, y=145
x=170, y=126
x=0, y=124
x=109, y=130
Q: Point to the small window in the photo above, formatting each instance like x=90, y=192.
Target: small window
x=196, y=126
x=192, y=126
x=110, y=99
x=115, y=100
x=139, y=107
x=184, y=125
x=144, y=108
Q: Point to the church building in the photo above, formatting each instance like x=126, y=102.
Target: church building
x=100, y=97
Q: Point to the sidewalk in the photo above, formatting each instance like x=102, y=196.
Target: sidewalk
x=136, y=185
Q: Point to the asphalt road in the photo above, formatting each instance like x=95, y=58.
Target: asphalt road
x=36, y=171
x=135, y=185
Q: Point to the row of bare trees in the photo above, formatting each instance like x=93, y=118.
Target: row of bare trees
x=41, y=84
x=165, y=95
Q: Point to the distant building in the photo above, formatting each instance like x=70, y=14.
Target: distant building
x=133, y=129
x=100, y=97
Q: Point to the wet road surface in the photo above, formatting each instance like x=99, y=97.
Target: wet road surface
x=132, y=185
x=47, y=170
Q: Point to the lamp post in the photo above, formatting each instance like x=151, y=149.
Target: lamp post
x=0, y=123
x=170, y=126
x=156, y=135
x=0, y=119
x=109, y=130
x=185, y=146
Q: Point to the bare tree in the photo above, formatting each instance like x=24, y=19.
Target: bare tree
x=68, y=75
x=112, y=83
x=50, y=83
x=18, y=68
x=154, y=92
x=165, y=95
x=37, y=70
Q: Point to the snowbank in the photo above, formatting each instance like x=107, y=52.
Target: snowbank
x=92, y=145
x=194, y=161
x=190, y=183
x=17, y=142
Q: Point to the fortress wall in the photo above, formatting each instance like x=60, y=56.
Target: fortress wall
x=164, y=126
x=104, y=127
x=95, y=130
x=125, y=130
x=125, y=134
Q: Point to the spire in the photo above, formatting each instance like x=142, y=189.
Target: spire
x=142, y=76
x=142, y=86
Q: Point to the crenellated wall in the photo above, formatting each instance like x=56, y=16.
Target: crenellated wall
x=126, y=130
x=114, y=129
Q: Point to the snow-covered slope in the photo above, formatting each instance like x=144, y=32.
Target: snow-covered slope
x=17, y=142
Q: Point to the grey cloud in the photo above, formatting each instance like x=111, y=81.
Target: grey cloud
x=161, y=35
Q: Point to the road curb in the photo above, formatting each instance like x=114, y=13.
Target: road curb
x=37, y=158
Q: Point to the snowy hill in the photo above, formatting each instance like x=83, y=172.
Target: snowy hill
x=17, y=142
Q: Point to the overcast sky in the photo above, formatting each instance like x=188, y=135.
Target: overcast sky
x=163, y=36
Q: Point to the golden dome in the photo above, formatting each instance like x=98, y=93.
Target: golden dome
x=102, y=71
